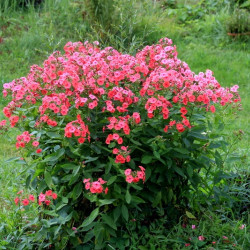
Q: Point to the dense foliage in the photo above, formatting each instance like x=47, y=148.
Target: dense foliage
x=118, y=139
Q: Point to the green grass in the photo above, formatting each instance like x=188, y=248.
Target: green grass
x=29, y=36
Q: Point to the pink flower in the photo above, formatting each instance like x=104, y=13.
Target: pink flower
x=128, y=171
x=48, y=193
x=129, y=178
x=25, y=202
x=86, y=180
x=225, y=237
x=16, y=200
x=39, y=151
x=212, y=108
x=31, y=197
x=41, y=197
x=47, y=202
x=20, y=192
x=87, y=185
x=35, y=143
x=201, y=238
x=193, y=226
x=187, y=244
x=242, y=226
x=54, y=196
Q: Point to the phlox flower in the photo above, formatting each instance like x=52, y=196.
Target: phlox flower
x=128, y=171
x=31, y=198
x=42, y=197
x=201, y=238
x=16, y=200
x=129, y=178
x=25, y=202
x=35, y=143
x=47, y=202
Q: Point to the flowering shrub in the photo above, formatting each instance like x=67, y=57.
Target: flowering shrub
x=97, y=115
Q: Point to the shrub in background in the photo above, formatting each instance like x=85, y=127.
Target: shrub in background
x=121, y=139
x=116, y=23
x=239, y=21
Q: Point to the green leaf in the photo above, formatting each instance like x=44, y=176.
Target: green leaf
x=12, y=159
x=128, y=197
x=137, y=199
x=69, y=166
x=106, y=201
x=190, y=171
x=48, y=178
x=179, y=171
x=197, y=135
x=77, y=190
x=190, y=216
x=157, y=155
x=109, y=221
x=146, y=159
x=116, y=213
x=91, y=217
x=157, y=199
x=181, y=150
x=55, y=156
x=125, y=212
x=136, y=142
x=54, y=135
x=147, y=173
x=111, y=180
x=90, y=159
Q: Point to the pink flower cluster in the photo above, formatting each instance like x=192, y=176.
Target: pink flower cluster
x=135, y=176
x=78, y=129
x=26, y=138
x=43, y=198
x=46, y=197
x=95, y=187
x=25, y=201
x=122, y=155
x=118, y=87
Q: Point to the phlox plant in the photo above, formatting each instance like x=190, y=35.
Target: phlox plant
x=117, y=137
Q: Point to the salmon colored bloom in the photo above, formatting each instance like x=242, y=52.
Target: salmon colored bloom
x=25, y=202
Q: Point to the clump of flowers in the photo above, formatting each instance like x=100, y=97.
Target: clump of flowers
x=24, y=199
x=27, y=139
x=106, y=109
x=135, y=176
x=46, y=198
x=95, y=187
x=122, y=154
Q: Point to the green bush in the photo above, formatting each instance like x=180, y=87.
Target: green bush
x=119, y=138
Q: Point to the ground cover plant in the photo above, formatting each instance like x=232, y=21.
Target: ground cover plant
x=29, y=35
